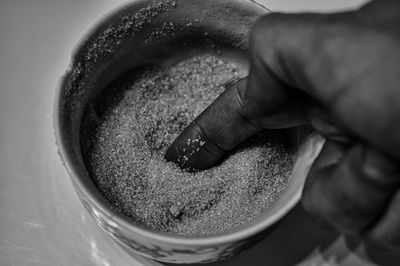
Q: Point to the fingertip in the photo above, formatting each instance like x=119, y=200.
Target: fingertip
x=192, y=150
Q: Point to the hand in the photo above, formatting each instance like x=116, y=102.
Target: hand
x=341, y=73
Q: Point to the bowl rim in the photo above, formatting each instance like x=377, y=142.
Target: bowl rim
x=120, y=219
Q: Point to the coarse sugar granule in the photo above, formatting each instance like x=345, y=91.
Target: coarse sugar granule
x=139, y=115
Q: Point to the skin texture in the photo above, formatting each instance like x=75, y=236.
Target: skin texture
x=340, y=73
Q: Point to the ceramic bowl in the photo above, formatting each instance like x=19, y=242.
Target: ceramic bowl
x=164, y=32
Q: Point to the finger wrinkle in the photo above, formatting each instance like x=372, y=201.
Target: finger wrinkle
x=241, y=110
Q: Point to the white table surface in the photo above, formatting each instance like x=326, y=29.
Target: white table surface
x=42, y=221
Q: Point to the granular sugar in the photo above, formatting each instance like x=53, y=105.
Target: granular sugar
x=140, y=114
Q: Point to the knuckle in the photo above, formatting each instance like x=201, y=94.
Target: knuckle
x=265, y=32
x=265, y=28
x=264, y=48
x=263, y=24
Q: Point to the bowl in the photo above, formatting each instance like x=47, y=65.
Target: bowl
x=164, y=32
